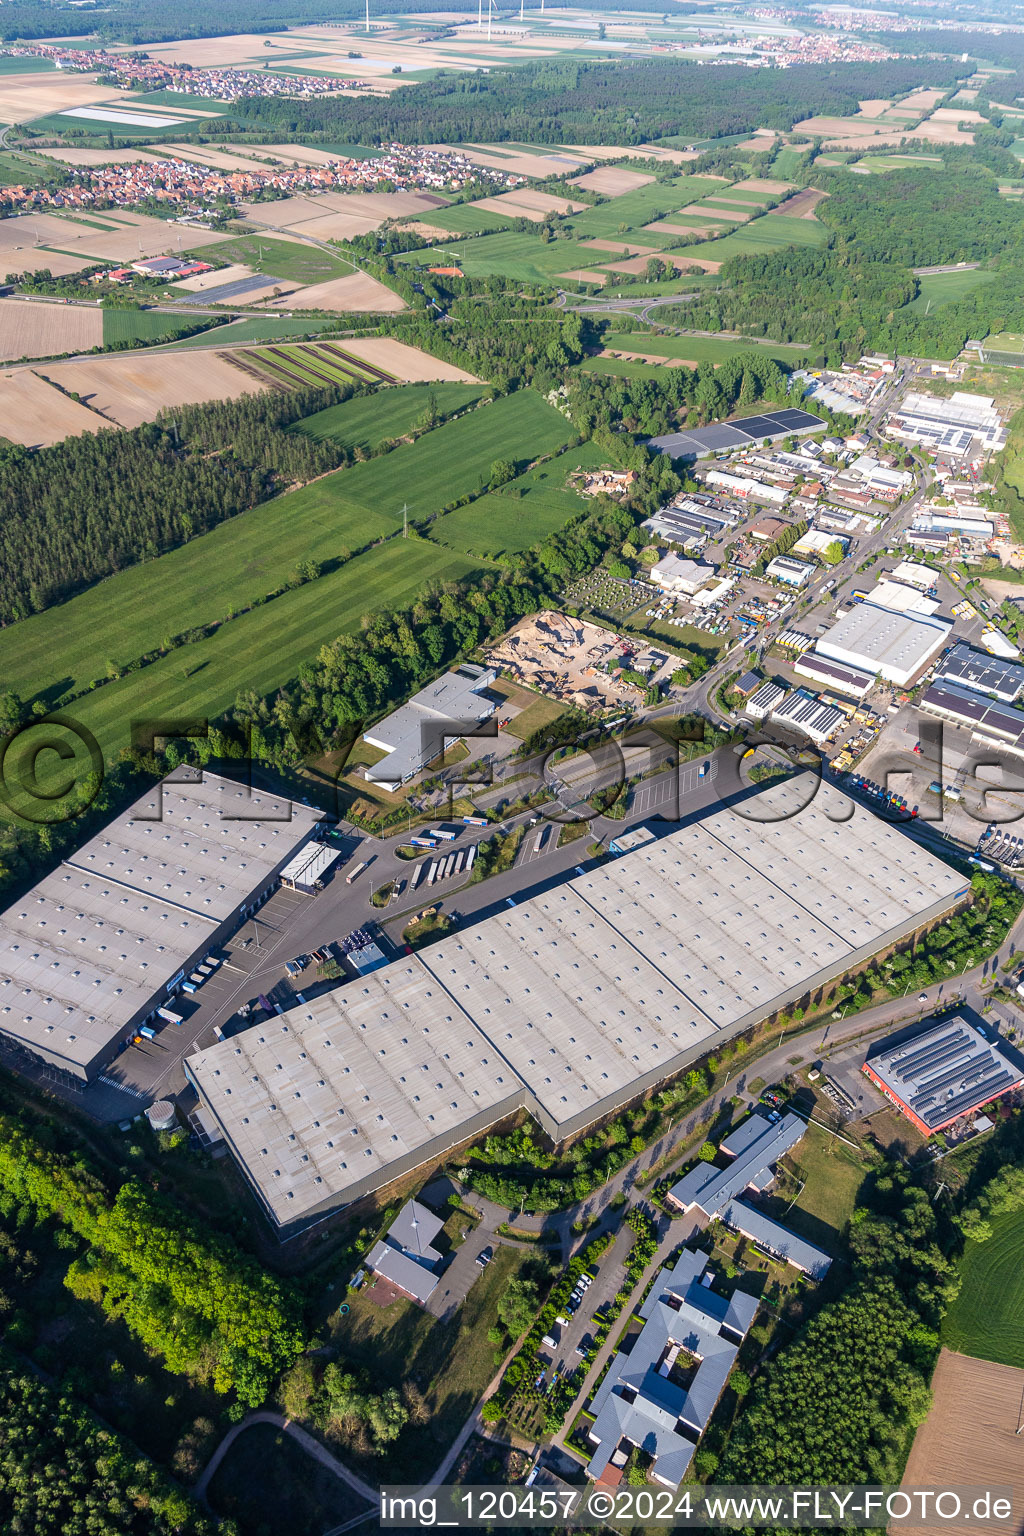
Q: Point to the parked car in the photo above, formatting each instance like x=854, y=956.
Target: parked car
x=484, y=1257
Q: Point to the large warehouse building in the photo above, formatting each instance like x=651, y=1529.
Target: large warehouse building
x=571, y=1003
x=943, y=1073
x=97, y=946
x=895, y=646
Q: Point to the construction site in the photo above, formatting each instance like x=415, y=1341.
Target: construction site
x=576, y=662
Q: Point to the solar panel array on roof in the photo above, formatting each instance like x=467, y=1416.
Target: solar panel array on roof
x=982, y=674
x=944, y=1073
x=974, y=711
x=747, y=432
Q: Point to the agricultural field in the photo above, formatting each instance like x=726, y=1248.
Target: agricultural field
x=987, y=1398
x=290, y=260
x=943, y=288
x=226, y=570
x=261, y=649
x=522, y=513
x=34, y=413
x=46, y=330
x=132, y=613
x=128, y=388
x=369, y=420
x=519, y=257
x=121, y=325
x=270, y=328
x=987, y=1318
x=635, y=209
x=456, y=459
x=302, y=364
x=696, y=349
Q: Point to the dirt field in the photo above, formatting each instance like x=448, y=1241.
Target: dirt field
x=526, y=204
x=691, y=227
x=583, y=275
x=356, y=294
x=85, y=245
x=873, y=108
x=619, y=249
x=523, y=163
x=920, y=101
x=638, y=264
x=42, y=330
x=408, y=364
x=969, y=1437
x=761, y=184
x=956, y=115
x=99, y=156
x=340, y=215
x=612, y=181
x=649, y=357
x=23, y=97
x=717, y=211
x=36, y=414
x=802, y=206
x=639, y=152
x=131, y=388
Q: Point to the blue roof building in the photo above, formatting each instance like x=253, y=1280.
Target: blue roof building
x=641, y=1402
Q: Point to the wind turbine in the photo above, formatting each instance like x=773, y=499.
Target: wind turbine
x=490, y=11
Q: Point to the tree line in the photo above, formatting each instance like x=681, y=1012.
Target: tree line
x=565, y=101
x=95, y=504
x=840, y=1404
x=63, y=1474
x=184, y=1292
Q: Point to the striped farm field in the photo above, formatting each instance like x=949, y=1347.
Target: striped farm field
x=264, y=648
x=315, y=363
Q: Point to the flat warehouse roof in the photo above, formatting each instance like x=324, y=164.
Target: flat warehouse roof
x=97, y=939
x=204, y=845
x=570, y=1002
x=904, y=641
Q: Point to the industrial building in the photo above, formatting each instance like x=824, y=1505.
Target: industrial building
x=818, y=542
x=753, y=1148
x=571, y=1003
x=961, y=525
x=680, y=577
x=999, y=725
x=651, y=1397
x=946, y=1071
x=963, y=665
x=851, y=682
x=899, y=597
x=796, y=709
x=776, y=1239
x=894, y=646
x=689, y=522
x=748, y=432
x=418, y=732
x=949, y=426
x=746, y=487
x=795, y=573
x=94, y=948
x=808, y=716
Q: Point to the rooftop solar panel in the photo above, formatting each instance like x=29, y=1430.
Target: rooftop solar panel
x=756, y=426
x=792, y=419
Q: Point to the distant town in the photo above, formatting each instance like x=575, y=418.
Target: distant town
x=193, y=187
x=129, y=71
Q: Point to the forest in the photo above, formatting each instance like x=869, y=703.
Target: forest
x=841, y=1403
x=94, y=504
x=556, y=101
x=853, y=294
x=62, y=1473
